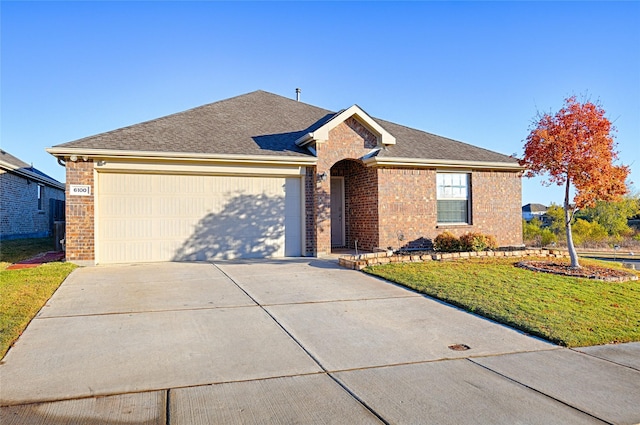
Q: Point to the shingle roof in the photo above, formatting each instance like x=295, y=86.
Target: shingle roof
x=534, y=208
x=262, y=123
x=17, y=165
x=10, y=159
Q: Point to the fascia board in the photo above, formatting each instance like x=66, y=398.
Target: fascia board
x=440, y=163
x=179, y=156
x=305, y=140
x=323, y=132
x=158, y=167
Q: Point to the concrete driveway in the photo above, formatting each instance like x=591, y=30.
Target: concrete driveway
x=292, y=341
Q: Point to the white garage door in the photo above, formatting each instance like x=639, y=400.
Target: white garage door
x=152, y=217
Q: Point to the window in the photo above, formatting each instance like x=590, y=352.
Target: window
x=453, y=198
x=40, y=197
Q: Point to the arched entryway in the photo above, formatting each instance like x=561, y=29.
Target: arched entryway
x=354, y=205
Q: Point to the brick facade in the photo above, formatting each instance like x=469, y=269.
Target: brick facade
x=397, y=207
x=310, y=211
x=361, y=203
x=496, y=202
x=408, y=209
x=384, y=206
x=20, y=214
x=348, y=140
x=80, y=214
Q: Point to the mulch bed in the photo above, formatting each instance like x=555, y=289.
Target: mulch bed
x=588, y=272
x=45, y=257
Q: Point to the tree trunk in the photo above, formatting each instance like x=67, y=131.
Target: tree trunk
x=573, y=255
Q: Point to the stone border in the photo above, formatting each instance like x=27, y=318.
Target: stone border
x=359, y=262
x=527, y=265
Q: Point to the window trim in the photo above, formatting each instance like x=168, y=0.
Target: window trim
x=468, y=221
x=40, y=196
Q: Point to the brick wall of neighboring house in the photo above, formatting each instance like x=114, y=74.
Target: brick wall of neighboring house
x=348, y=140
x=80, y=214
x=20, y=215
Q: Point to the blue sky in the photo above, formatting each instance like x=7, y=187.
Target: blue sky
x=473, y=71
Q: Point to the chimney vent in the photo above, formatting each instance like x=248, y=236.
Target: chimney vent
x=298, y=91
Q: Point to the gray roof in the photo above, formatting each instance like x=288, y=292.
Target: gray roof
x=19, y=166
x=10, y=159
x=534, y=208
x=262, y=123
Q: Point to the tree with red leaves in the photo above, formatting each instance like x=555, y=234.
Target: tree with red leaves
x=576, y=147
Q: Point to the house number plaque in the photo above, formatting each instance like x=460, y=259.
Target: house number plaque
x=79, y=190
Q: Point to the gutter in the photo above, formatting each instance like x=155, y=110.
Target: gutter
x=305, y=140
x=86, y=154
x=441, y=163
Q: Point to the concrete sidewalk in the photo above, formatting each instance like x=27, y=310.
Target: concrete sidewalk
x=292, y=341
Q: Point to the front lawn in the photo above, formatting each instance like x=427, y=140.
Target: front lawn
x=572, y=312
x=24, y=292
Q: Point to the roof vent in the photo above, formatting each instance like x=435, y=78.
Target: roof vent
x=298, y=91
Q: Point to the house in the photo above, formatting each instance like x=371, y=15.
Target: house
x=531, y=211
x=30, y=200
x=260, y=175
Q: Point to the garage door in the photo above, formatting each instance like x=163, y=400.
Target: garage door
x=154, y=217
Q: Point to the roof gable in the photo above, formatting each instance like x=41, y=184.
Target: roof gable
x=322, y=133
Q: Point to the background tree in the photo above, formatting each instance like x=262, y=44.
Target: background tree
x=555, y=218
x=576, y=149
x=534, y=233
x=613, y=216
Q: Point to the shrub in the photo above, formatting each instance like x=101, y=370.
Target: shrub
x=547, y=237
x=446, y=242
x=531, y=231
x=477, y=242
x=585, y=232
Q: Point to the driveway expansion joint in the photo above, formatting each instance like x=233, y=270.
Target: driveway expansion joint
x=337, y=300
x=131, y=313
x=593, y=356
x=555, y=399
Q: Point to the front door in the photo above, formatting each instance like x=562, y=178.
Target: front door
x=337, y=212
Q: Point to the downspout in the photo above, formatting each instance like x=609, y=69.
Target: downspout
x=61, y=162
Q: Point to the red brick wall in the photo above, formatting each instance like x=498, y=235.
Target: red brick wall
x=310, y=211
x=348, y=140
x=408, y=205
x=80, y=214
x=497, y=205
x=361, y=203
x=383, y=203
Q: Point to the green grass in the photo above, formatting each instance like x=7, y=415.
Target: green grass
x=20, y=249
x=24, y=292
x=572, y=312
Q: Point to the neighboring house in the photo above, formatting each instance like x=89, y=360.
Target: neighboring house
x=260, y=175
x=531, y=211
x=30, y=201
